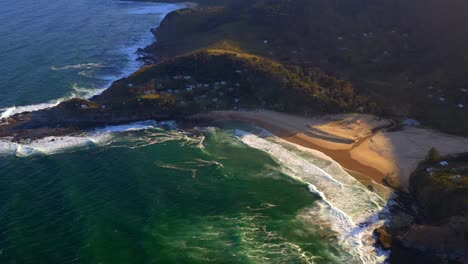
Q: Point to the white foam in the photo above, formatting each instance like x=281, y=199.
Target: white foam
x=49, y=145
x=351, y=209
x=7, y=112
x=147, y=38
x=96, y=137
x=133, y=64
x=78, y=66
x=80, y=92
x=126, y=127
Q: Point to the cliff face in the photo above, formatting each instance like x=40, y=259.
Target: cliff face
x=441, y=189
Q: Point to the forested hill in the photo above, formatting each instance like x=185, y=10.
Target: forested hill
x=410, y=56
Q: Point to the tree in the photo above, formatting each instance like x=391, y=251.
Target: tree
x=433, y=155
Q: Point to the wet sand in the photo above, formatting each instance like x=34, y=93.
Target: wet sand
x=358, y=142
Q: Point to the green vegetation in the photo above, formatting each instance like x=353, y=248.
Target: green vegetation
x=433, y=156
x=223, y=80
x=442, y=189
x=405, y=58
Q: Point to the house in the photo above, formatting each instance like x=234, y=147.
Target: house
x=206, y=85
x=223, y=83
x=189, y=89
x=130, y=85
x=84, y=106
x=443, y=163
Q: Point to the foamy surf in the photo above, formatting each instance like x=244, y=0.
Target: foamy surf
x=77, y=66
x=130, y=51
x=48, y=145
x=348, y=207
x=93, y=138
x=147, y=38
x=78, y=92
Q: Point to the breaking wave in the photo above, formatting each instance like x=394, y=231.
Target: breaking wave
x=80, y=92
x=93, y=138
x=132, y=65
x=347, y=207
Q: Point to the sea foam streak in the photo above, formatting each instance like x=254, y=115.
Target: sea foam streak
x=132, y=66
x=77, y=66
x=97, y=137
x=80, y=92
x=347, y=206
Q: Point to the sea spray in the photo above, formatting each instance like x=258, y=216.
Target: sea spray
x=225, y=202
x=353, y=211
x=152, y=132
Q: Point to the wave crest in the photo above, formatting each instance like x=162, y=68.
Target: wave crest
x=350, y=209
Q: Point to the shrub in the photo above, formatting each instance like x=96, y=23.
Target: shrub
x=433, y=156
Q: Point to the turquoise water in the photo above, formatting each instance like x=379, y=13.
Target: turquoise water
x=146, y=192
x=157, y=197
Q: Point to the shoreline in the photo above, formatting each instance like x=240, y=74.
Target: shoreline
x=329, y=148
x=135, y=64
x=358, y=142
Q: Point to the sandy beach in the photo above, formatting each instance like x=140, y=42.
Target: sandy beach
x=358, y=142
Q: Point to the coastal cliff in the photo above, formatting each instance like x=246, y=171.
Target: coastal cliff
x=301, y=57
x=441, y=187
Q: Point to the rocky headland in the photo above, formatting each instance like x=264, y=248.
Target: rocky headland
x=307, y=59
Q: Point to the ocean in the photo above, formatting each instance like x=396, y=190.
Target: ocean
x=149, y=192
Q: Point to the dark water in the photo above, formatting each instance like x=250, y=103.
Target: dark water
x=64, y=48
x=156, y=197
x=117, y=195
